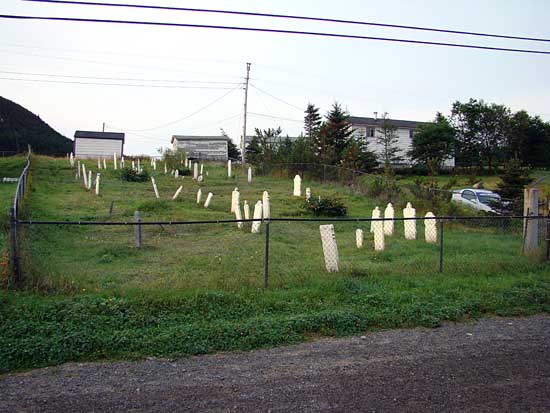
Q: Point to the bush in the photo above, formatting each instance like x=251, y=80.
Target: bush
x=183, y=171
x=131, y=175
x=331, y=207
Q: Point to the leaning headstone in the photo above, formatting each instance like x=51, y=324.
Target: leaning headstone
x=202, y=168
x=249, y=174
x=229, y=170
x=97, y=177
x=389, y=215
x=430, y=228
x=265, y=205
x=84, y=176
x=208, y=200
x=199, y=196
x=330, y=249
x=257, y=215
x=177, y=193
x=297, y=186
x=379, y=235
x=246, y=208
x=410, y=223
x=375, y=215
x=155, y=187
x=359, y=238
x=195, y=170
x=308, y=193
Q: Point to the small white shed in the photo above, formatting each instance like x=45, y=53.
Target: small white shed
x=89, y=144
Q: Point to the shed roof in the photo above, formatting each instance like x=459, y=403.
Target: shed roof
x=99, y=135
x=358, y=120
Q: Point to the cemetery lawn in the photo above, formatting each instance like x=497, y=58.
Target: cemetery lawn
x=198, y=289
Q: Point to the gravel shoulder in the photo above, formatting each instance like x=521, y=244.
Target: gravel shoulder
x=494, y=364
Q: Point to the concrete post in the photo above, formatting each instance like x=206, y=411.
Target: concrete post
x=330, y=248
x=531, y=227
x=359, y=238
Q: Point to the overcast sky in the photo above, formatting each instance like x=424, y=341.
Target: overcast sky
x=408, y=81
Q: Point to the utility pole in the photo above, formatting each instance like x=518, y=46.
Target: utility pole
x=243, y=139
x=103, y=126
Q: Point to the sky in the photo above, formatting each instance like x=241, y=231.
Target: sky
x=166, y=64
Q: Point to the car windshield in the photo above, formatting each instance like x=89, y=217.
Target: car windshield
x=488, y=199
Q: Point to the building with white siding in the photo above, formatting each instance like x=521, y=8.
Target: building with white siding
x=88, y=144
x=371, y=129
x=213, y=148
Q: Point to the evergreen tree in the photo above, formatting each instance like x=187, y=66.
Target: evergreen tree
x=233, y=151
x=335, y=134
x=512, y=183
x=312, y=121
x=387, y=138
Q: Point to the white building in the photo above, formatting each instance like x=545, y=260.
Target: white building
x=371, y=129
x=212, y=148
x=89, y=144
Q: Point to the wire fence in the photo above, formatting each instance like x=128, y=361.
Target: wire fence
x=285, y=253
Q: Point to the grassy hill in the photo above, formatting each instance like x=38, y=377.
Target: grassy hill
x=19, y=127
x=198, y=289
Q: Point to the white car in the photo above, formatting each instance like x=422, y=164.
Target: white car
x=480, y=199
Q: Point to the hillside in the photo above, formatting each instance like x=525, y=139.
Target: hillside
x=19, y=127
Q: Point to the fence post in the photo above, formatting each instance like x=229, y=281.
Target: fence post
x=266, y=261
x=441, y=245
x=548, y=237
x=137, y=230
x=14, y=267
x=111, y=208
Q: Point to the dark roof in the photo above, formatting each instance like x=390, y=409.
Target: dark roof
x=199, y=138
x=357, y=120
x=99, y=135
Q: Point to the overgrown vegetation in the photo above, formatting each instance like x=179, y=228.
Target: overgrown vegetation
x=132, y=175
x=326, y=206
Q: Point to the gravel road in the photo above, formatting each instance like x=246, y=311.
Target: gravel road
x=492, y=365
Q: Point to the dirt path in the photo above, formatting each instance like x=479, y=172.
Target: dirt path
x=496, y=364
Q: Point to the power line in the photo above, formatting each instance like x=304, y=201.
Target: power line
x=276, y=98
x=294, y=17
x=264, y=30
x=117, y=78
x=114, y=84
x=275, y=117
x=188, y=116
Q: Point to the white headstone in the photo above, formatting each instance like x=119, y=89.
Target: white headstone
x=199, y=196
x=104, y=163
x=155, y=187
x=139, y=166
x=85, y=176
x=195, y=170
x=308, y=193
x=330, y=249
x=97, y=177
x=229, y=170
x=389, y=214
x=375, y=214
x=430, y=228
x=89, y=180
x=208, y=200
x=238, y=216
x=378, y=235
x=233, y=199
x=246, y=208
x=154, y=164
x=177, y=193
x=114, y=161
x=265, y=205
x=176, y=173
x=249, y=174
x=297, y=186
x=257, y=215
x=409, y=224
x=359, y=238
x=78, y=170
x=71, y=160
x=165, y=168
x=122, y=161
x=98, y=163
x=202, y=168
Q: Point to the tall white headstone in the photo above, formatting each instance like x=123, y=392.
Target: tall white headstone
x=84, y=176
x=177, y=193
x=409, y=224
x=330, y=249
x=375, y=214
x=97, y=177
x=176, y=173
x=155, y=187
x=379, y=235
x=104, y=163
x=98, y=163
x=246, y=208
x=78, y=170
x=122, y=161
x=202, y=168
x=89, y=180
x=389, y=214
x=257, y=215
x=297, y=186
x=265, y=205
x=233, y=199
x=114, y=161
x=195, y=170
x=359, y=238
x=249, y=174
x=199, y=196
x=139, y=166
x=71, y=160
x=308, y=193
x=208, y=200
x=154, y=164
x=229, y=170
x=133, y=165
x=165, y=168
x=430, y=228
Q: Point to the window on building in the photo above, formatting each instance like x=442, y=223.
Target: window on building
x=370, y=132
x=411, y=133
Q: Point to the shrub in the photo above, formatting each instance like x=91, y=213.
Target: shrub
x=184, y=171
x=131, y=175
x=332, y=207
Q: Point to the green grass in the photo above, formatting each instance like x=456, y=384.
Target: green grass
x=10, y=167
x=198, y=289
